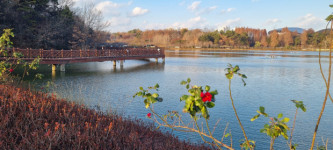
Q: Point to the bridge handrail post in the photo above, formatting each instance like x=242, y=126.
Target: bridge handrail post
x=28, y=53
x=62, y=53
x=96, y=52
x=80, y=53
x=71, y=53
x=88, y=53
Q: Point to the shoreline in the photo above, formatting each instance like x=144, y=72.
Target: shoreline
x=245, y=49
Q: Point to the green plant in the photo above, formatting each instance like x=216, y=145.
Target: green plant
x=327, y=81
x=10, y=62
x=299, y=105
x=231, y=71
x=197, y=103
x=277, y=125
x=5, y=43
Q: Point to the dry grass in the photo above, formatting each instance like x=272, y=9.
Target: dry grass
x=34, y=120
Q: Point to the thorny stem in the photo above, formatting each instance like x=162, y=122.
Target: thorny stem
x=292, y=130
x=272, y=143
x=203, y=139
x=232, y=102
x=187, y=129
x=327, y=90
x=321, y=70
x=210, y=133
x=323, y=76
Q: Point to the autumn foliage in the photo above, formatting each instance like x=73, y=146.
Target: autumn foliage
x=240, y=37
x=34, y=120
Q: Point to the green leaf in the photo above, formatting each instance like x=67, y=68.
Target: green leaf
x=262, y=109
x=184, y=97
x=207, y=88
x=226, y=135
x=285, y=120
x=214, y=92
x=139, y=94
x=159, y=99
x=204, y=113
x=236, y=68
x=329, y=18
x=255, y=117
x=244, y=82
x=183, y=82
x=284, y=135
x=280, y=115
x=199, y=103
x=147, y=104
x=187, y=86
x=141, y=88
x=210, y=104
x=229, y=75
x=244, y=76
x=157, y=86
x=155, y=95
x=188, y=80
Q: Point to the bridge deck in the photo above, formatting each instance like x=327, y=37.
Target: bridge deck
x=77, y=56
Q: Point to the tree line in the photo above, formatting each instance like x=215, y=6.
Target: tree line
x=56, y=24
x=52, y=24
x=241, y=37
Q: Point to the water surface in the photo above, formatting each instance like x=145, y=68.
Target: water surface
x=274, y=78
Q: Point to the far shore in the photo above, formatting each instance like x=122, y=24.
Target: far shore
x=247, y=49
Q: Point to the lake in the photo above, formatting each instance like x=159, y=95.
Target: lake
x=274, y=78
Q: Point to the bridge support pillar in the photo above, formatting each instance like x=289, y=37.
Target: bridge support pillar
x=121, y=63
x=54, y=67
x=156, y=60
x=114, y=63
x=62, y=68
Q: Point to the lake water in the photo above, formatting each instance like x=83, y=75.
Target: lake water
x=274, y=78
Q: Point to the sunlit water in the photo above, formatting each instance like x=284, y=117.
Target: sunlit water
x=274, y=78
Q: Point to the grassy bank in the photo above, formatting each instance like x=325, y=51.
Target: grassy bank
x=34, y=120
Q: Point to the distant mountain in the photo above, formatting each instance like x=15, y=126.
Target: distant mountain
x=324, y=31
x=291, y=29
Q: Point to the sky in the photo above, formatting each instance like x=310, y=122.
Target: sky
x=125, y=15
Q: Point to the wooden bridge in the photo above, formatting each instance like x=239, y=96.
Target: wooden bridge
x=62, y=57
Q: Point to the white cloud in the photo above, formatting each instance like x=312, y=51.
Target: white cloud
x=196, y=19
x=138, y=11
x=272, y=21
x=182, y=3
x=109, y=8
x=206, y=10
x=120, y=21
x=311, y=21
x=228, y=10
x=194, y=5
x=196, y=22
x=230, y=23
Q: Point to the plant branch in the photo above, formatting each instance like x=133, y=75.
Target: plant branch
x=233, y=106
x=327, y=90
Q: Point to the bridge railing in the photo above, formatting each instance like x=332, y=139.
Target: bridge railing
x=53, y=54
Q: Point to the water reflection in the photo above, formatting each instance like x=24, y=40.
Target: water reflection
x=272, y=82
x=241, y=53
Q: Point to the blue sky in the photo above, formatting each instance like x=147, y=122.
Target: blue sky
x=211, y=14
